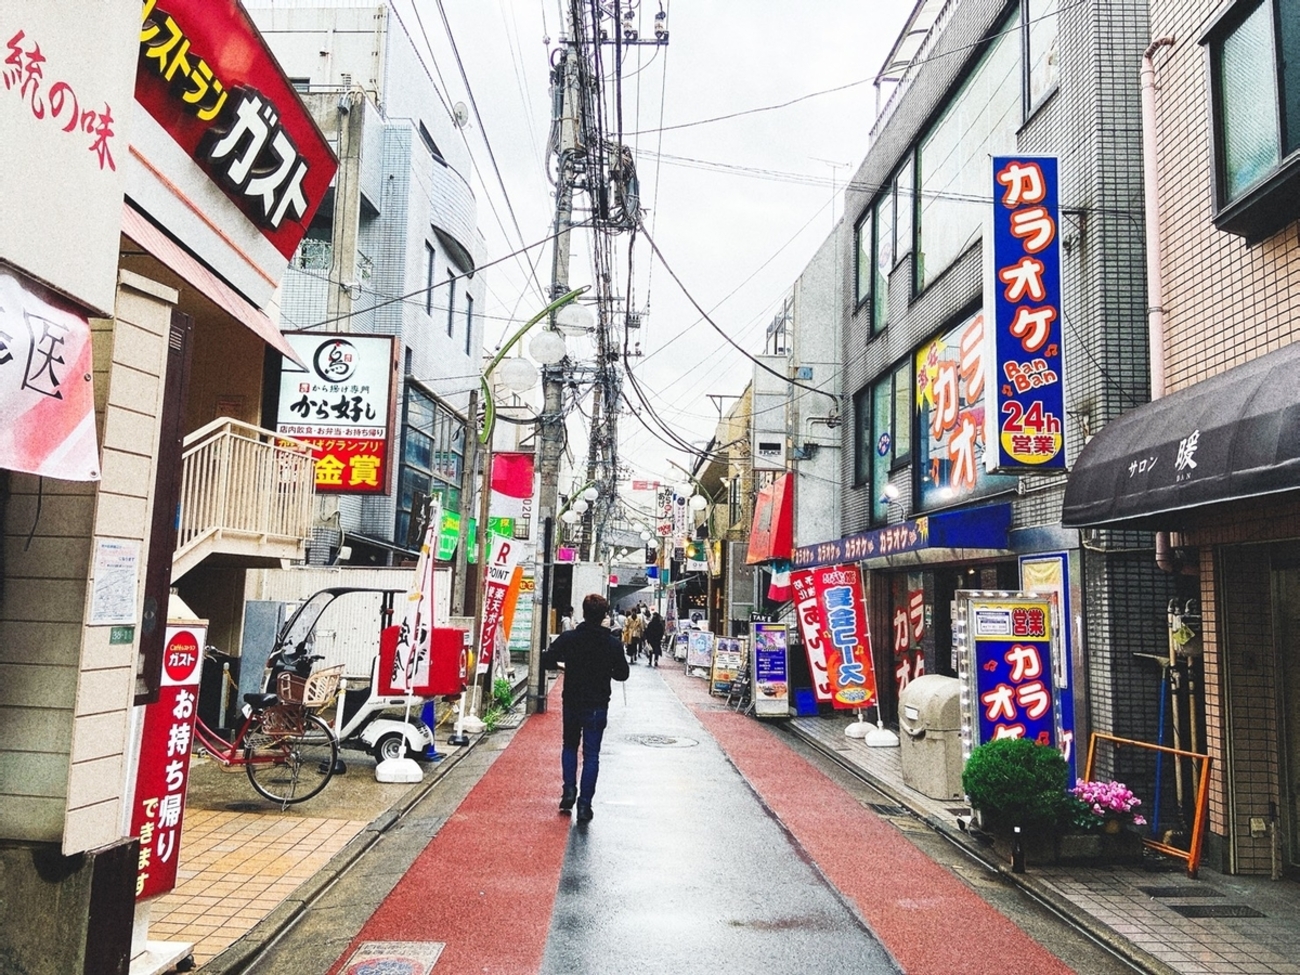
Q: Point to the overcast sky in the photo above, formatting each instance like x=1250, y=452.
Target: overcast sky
x=737, y=236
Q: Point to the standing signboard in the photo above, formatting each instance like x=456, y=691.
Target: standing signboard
x=158, y=804
x=1044, y=574
x=812, y=629
x=848, y=655
x=496, y=583
x=699, y=650
x=1025, y=431
x=771, y=691
x=1007, y=648
x=727, y=661
x=341, y=404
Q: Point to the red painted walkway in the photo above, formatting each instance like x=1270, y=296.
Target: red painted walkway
x=486, y=884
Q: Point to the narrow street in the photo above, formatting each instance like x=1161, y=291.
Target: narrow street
x=717, y=846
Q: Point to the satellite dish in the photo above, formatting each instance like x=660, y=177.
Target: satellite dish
x=460, y=113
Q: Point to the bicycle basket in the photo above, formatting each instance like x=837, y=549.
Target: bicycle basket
x=319, y=688
x=289, y=688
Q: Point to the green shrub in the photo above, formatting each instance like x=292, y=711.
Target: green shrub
x=1015, y=782
x=503, y=695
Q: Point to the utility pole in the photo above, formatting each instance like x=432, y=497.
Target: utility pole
x=551, y=435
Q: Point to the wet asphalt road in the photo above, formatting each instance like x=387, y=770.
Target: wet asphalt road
x=683, y=869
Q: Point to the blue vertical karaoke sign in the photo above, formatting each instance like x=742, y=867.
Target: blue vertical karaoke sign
x=1025, y=430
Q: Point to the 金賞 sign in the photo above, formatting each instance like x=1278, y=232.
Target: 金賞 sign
x=848, y=639
x=158, y=808
x=1026, y=429
x=340, y=404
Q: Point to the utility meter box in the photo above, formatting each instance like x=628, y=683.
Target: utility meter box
x=929, y=717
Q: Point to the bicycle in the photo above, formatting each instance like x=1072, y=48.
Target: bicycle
x=288, y=752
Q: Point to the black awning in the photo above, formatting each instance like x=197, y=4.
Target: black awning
x=1229, y=438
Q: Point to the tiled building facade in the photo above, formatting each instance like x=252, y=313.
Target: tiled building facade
x=1226, y=102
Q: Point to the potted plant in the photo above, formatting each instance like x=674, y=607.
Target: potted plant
x=1104, y=823
x=1014, y=782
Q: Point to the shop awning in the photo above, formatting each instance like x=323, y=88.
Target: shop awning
x=1232, y=437
x=772, y=534
x=964, y=535
x=153, y=240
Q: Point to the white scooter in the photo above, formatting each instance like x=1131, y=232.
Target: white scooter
x=363, y=717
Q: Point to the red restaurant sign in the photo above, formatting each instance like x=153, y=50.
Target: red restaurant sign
x=812, y=628
x=207, y=77
x=158, y=808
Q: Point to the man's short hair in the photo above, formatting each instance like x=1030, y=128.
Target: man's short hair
x=594, y=607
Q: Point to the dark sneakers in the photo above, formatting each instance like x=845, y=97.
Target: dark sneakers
x=584, y=814
x=567, y=800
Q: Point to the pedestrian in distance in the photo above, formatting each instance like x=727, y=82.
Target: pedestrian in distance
x=632, y=631
x=566, y=620
x=592, y=657
x=654, y=638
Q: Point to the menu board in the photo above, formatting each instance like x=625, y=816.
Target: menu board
x=771, y=680
x=728, y=658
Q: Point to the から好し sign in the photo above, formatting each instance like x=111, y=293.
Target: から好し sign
x=206, y=76
x=340, y=404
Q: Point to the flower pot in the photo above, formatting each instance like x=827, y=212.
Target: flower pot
x=1113, y=827
x=1100, y=846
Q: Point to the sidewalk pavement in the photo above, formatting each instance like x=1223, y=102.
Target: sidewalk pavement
x=1150, y=913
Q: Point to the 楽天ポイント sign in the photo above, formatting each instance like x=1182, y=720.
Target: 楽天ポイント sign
x=1026, y=429
x=341, y=404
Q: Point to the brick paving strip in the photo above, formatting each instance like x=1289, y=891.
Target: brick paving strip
x=928, y=920
x=238, y=867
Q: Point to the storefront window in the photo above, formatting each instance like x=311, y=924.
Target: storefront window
x=1042, y=30
x=433, y=452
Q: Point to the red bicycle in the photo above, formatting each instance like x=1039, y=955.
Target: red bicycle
x=289, y=753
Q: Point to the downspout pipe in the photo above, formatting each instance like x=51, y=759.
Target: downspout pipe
x=1155, y=280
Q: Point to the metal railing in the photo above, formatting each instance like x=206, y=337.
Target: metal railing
x=241, y=480
x=1191, y=856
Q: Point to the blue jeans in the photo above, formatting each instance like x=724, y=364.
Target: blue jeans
x=588, y=726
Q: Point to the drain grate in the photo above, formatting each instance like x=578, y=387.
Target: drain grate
x=1216, y=910
x=1182, y=890
x=885, y=809
x=662, y=741
x=246, y=806
x=964, y=811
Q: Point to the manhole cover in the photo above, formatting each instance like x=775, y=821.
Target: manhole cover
x=662, y=741
x=1182, y=890
x=394, y=958
x=1216, y=910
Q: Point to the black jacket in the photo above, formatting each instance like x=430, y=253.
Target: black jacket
x=592, y=657
x=654, y=630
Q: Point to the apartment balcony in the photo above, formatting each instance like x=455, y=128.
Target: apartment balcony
x=246, y=497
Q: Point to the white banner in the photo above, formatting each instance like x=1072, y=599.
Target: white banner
x=47, y=398
x=411, y=661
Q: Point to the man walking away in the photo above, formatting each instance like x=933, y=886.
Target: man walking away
x=592, y=657
x=654, y=638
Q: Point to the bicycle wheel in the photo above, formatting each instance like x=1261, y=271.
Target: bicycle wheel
x=289, y=761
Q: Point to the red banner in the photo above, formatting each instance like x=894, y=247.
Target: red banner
x=158, y=808
x=500, y=571
x=848, y=643
x=812, y=627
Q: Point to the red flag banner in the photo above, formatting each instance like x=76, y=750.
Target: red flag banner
x=848, y=644
x=512, y=475
x=812, y=627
